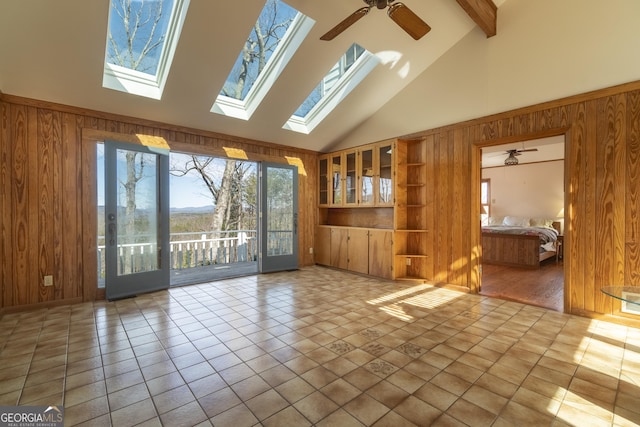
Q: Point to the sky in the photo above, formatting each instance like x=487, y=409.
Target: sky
x=186, y=191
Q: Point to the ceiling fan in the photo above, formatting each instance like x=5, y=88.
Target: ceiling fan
x=401, y=15
x=511, y=158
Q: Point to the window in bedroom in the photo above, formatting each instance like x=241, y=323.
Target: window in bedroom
x=271, y=43
x=141, y=40
x=342, y=78
x=485, y=201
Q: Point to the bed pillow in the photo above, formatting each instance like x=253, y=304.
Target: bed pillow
x=515, y=221
x=541, y=222
x=495, y=220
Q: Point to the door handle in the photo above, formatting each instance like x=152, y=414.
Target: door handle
x=111, y=229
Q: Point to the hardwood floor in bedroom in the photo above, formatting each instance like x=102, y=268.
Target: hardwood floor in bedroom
x=543, y=287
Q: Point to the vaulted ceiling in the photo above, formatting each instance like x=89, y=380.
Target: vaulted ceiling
x=54, y=51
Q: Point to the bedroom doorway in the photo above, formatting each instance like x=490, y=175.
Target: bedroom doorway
x=522, y=192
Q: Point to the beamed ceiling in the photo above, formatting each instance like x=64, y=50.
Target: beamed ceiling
x=54, y=51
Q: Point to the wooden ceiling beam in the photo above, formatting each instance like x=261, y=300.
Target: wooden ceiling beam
x=483, y=12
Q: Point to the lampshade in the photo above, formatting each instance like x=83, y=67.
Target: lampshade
x=511, y=160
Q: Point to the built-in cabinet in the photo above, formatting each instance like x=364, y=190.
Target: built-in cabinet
x=373, y=202
x=361, y=177
x=357, y=249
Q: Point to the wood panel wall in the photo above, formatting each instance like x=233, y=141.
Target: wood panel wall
x=602, y=191
x=47, y=194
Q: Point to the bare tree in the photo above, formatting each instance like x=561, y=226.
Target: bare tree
x=140, y=36
x=136, y=38
x=263, y=39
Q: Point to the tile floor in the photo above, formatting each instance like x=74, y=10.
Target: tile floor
x=319, y=347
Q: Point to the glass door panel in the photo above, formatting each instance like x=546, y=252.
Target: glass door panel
x=136, y=220
x=324, y=181
x=350, y=179
x=279, y=223
x=367, y=175
x=385, y=181
x=336, y=179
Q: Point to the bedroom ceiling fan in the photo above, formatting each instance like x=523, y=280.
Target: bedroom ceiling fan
x=397, y=11
x=511, y=159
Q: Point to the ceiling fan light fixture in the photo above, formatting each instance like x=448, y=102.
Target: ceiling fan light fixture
x=511, y=160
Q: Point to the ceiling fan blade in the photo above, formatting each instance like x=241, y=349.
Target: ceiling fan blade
x=528, y=149
x=346, y=23
x=408, y=21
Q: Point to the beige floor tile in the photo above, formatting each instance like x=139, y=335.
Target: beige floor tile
x=319, y=346
x=189, y=414
x=315, y=406
x=266, y=404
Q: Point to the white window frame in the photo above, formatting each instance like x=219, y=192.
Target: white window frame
x=338, y=92
x=244, y=109
x=143, y=84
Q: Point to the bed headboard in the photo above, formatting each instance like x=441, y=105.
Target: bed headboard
x=558, y=226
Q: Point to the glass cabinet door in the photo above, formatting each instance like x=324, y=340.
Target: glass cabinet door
x=336, y=180
x=384, y=188
x=367, y=176
x=350, y=179
x=323, y=182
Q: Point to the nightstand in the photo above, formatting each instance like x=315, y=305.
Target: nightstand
x=559, y=247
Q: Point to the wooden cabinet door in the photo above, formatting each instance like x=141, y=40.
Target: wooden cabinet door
x=323, y=246
x=381, y=253
x=339, y=253
x=358, y=250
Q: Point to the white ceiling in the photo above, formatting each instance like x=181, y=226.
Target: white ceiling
x=548, y=149
x=54, y=51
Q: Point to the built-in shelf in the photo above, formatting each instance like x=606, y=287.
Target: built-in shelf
x=410, y=244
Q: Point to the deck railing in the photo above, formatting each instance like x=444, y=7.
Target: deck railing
x=186, y=250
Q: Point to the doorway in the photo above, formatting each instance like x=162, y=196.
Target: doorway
x=522, y=191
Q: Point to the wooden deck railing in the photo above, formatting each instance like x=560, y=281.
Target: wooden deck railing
x=186, y=250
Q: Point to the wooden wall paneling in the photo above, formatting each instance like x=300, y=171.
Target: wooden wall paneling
x=58, y=206
x=632, y=201
x=605, y=199
x=632, y=167
x=619, y=190
x=589, y=209
x=581, y=204
x=44, y=159
x=6, y=253
x=33, y=279
x=428, y=147
x=20, y=213
x=72, y=261
x=461, y=208
x=441, y=228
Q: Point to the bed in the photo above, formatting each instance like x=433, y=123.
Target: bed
x=519, y=242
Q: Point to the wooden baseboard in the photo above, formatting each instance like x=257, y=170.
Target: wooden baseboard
x=39, y=305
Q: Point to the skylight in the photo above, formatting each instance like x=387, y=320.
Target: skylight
x=141, y=41
x=342, y=78
x=276, y=35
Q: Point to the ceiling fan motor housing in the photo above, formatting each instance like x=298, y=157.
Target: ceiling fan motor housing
x=380, y=4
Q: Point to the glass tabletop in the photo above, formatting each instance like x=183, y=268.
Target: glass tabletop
x=624, y=293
